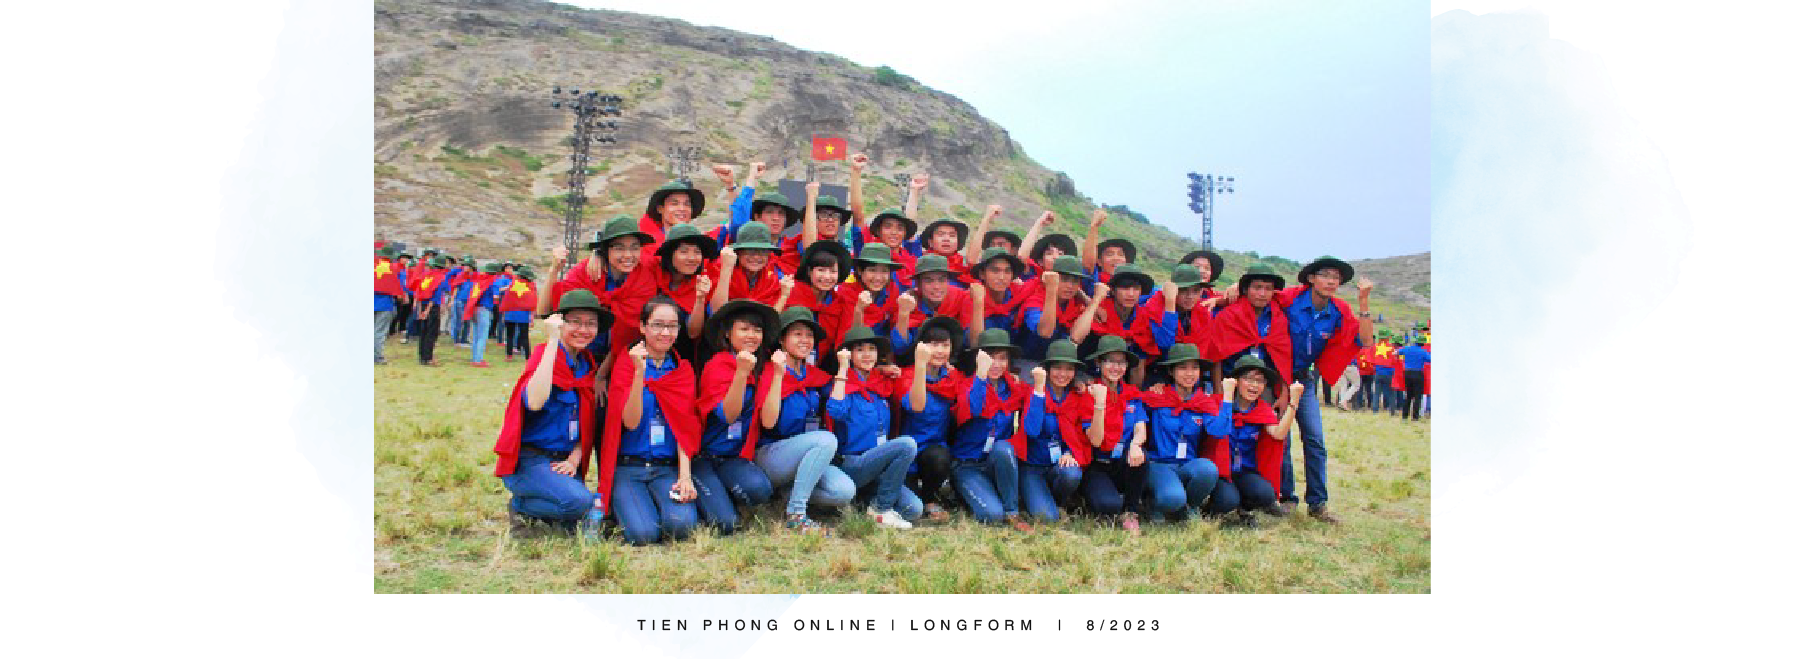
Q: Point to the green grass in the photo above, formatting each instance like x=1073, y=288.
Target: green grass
x=441, y=523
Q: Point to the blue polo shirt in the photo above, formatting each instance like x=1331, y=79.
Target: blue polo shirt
x=801, y=412
x=1134, y=413
x=652, y=439
x=553, y=428
x=738, y=213
x=1175, y=435
x=491, y=294
x=1045, y=445
x=385, y=302
x=930, y=424
x=721, y=438
x=1241, y=440
x=1264, y=324
x=1311, y=328
x=901, y=336
x=1415, y=357
x=1167, y=326
x=980, y=435
x=861, y=420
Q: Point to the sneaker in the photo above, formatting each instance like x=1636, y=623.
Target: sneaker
x=1276, y=510
x=1289, y=507
x=802, y=525
x=480, y=364
x=1321, y=512
x=890, y=518
x=1131, y=524
x=1019, y=524
x=1244, y=519
x=934, y=513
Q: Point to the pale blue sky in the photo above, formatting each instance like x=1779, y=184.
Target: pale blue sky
x=1320, y=109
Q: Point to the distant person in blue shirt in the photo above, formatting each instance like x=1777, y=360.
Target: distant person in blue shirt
x=1415, y=358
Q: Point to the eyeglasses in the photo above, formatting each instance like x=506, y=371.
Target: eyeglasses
x=663, y=328
x=1122, y=363
x=585, y=326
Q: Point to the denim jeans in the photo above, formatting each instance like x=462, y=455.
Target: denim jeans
x=722, y=482
x=514, y=338
x=1247, y=491
x=1114, y=487
x=804, y=462
x=1383, y=384
x=481, y=333
x=383, y=318
x=1369, y=392
x=454, y=320
x=1177, y=487
x=990, y=485
x=878, y=473
x=546, y=494
x=642, y=503
x=1044, y=487
x=1316, y=455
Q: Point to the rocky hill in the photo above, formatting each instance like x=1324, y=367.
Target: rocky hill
x=470, y=156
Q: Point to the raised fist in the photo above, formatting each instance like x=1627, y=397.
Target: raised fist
x=1229, y=294
x=559, y=254
x=786, y=283
x=728, y=258
x=1049, y=280
x=1040, y=376
x=859, y=160
x=758, y=169
x=1365, y=286
x=1046, y=218
x=1100, y=291
x=905, y=304
x=813, y=188
x=1157, y=389
x=724, y=172
x=845, y=357
x=1099, y=393
x=890, y=370
x=1097, y=217
x=1297, y=389
x=984, y=361
x=864, y=298
x=703, y=286
x=554, y=324
x=921, y=354
x=991, y=211
x=780, y=358
x=639, y=354
x=918, y=181
x=745, y=360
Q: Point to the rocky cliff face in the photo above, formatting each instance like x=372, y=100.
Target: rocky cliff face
x=469, y=151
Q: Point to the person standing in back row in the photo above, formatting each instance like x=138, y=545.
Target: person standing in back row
x=1415, y=358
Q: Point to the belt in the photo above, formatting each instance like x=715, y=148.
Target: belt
x=636, y=461
x=534, y=450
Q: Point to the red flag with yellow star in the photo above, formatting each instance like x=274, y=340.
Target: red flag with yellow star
x=829, y=148
x=520, y=295
x=387, y=281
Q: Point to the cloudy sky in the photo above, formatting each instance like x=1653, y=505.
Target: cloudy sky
x=1318, y=108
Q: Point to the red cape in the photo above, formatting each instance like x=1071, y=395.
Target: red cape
x=1066, y=413
x=515, y=299
x=1138, y=332
x=1268, y=453
x=1199, y=333
x=507, y=445
x=811, y=377
x=1342, y=345
x=388, y=280
x=1237, y=327
x=717, y=378
x=1115, y=411
x=846, y=296
x=953, y=388
x=958, y=301
x=763, y=288
x=676, y=395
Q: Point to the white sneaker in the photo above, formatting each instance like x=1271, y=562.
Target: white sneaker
x=890, y=518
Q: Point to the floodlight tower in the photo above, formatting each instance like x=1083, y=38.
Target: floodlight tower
x=591, y=109
x=1203, y=190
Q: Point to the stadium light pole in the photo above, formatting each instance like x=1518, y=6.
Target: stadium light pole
x=1203, y=190
x=591, y=125
x=683, y=161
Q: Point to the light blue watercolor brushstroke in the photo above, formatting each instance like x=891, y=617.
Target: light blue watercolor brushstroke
x=1535, y=167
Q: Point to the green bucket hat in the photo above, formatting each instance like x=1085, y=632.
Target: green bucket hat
x=1251, y=363
x=696, y=200
x=842, y=258
x=1064, y=351
x=862, y=334
x=582, y=298
x=1129, y=273
x=438, y=261
x=469, y=260
x=800, y=314
x=618, y=226
x=753, y=235
x=876, y=254
x=1215, y=262
x=492, y=268
x=1184, y=275
x=1347, y=271
x=1124, y=243
x=933, y=263
x=790, y=214
x=894, y=214
x=1069, y=265
x=1015, y=240
x=405, y=254
x=1015, y=264
x=1183, y=352
x=388, y=251
x=953, y=329
x=687, y=233
x=997, y=338
x=714, y=330
x=825, y=201
x=1260, y=272
x=959, y=229
x=527, y=274
x=1064, y=242
x=1112, y=343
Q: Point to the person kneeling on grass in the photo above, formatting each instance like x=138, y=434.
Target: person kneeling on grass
x=1049, y=444
x=793, y=449
x=1250, y=456
x=1117, y=428
x=984, y=468
x=1179, y=415
x=929, y=392
x=860, y=409
x=550, y=415
x=739, y=333
x=652, y=430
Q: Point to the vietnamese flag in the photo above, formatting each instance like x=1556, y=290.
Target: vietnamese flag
x=830, y=148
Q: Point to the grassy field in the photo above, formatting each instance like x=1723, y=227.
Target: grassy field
x=441, y=523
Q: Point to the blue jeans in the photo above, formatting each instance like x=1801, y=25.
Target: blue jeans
x=1383, y=384
x=723, y=481
x=1044, y=486
x=1177, y=487
x=642, y=504
x=383, y=318
x=545, y=494
x=989, y=486
x=481, y=332
x=805, y=463
x=1316, y=456
x=454, y=320
x=1247, y=491
x=879, y=472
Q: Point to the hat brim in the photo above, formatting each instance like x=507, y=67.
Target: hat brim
x=1205, y=363
x=1277, y=281
x=820, y=332
x=790, y=215
x=1127, y=246
x=884, y=353
x=908, y=224
x=1215, y=263
x=1065, y=243
x=696, y=203
x=1146, y=282
x=1015, y=264
x=952, y=327
x=959, y=229
x=1346, y=271
x=1099, y=353
x=1272, y=377
x=1015, y=241
x=714, y=330
x=644, y=239
x=839, y=252
x=710, y=249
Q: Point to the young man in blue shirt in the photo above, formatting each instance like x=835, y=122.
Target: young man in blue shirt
x=1415, y=358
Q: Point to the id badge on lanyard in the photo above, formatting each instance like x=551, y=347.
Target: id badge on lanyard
x=655, y=436
x=576, y=432
x=1053, y=453
x=1182, y=445
x=736, y=431
x=991, y=438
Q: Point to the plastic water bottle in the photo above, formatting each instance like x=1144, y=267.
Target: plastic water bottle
x=591, y=525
